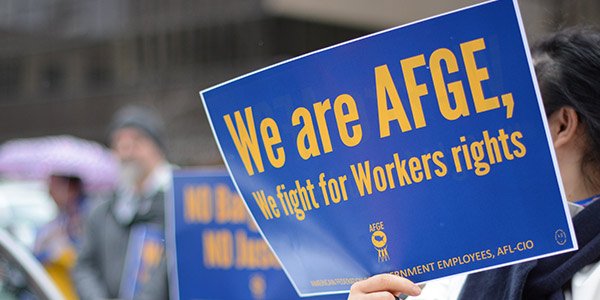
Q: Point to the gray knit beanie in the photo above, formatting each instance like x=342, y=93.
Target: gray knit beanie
x=143, y=118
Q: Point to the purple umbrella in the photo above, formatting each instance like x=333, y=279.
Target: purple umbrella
x=38, y=158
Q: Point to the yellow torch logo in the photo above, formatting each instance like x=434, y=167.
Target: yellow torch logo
x=379, y=240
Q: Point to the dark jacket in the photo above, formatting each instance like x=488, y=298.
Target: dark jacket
x=544, y=278
x=99, y=269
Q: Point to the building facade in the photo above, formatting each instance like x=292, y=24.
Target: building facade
x=66, y=66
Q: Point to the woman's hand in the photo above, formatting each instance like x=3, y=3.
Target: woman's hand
x=383, y=286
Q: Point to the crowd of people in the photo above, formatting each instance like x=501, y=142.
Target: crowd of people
x=86, y=247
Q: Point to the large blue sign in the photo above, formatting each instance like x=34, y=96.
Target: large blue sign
x=215, y=247
x=421, y=151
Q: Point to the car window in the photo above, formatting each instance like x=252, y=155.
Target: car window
x=21, y=276
x=13, y=282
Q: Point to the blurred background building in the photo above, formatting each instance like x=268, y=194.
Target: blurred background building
x=67, y=65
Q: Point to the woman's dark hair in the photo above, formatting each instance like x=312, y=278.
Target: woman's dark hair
x=567, y=65
x=73, y=181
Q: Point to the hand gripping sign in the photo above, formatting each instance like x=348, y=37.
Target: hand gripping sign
x=421, y=151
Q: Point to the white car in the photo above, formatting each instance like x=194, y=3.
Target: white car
x=24, y=207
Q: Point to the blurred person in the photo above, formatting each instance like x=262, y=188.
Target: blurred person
x=567, y=65
x=136, y=136
x=58, y=242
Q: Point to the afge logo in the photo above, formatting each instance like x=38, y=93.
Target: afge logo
x=379, y=240
x=258, y=286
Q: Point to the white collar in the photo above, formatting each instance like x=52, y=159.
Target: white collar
x=574, y=209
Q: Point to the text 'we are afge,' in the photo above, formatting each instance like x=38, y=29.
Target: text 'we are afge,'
x=322, y=126
x=314, y=136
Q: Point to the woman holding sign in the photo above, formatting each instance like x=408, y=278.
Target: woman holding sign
x=568, y=69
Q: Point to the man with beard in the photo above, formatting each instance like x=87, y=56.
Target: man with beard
x=136, y=208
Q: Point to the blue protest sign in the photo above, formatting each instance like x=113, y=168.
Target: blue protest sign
x=215, y=247
x=421, y=151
